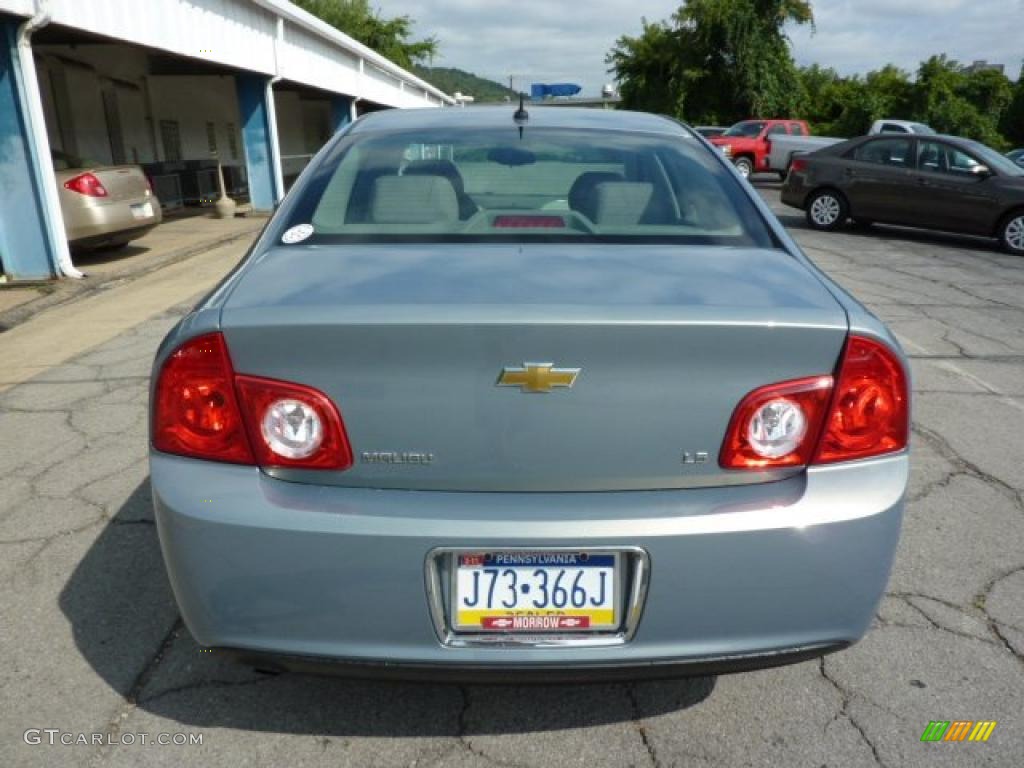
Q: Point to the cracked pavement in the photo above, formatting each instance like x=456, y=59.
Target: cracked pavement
x=93, y=642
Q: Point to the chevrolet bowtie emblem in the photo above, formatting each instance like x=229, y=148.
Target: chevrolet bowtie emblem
x=538, y=377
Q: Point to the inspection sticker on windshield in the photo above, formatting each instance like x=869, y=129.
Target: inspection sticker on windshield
x=297, y=234
x=536, y=591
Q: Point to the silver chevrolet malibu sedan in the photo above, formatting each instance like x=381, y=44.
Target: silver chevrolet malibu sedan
x=507, y=394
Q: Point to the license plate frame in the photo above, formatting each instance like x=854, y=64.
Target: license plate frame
x=525, y=618
x=142, y=210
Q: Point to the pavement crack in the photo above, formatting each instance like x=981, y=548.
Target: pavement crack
x=49, y=537
x=942, y=483
x=961, y=351
x=981, y=601
x=947, y=284
x=131, y=698
x=908, y=599
x=462, y=734
x=844, y=711
x=965, y=467
x=950, y=329
x=652, y=752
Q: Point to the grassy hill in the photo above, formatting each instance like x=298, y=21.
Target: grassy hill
x=450, y=80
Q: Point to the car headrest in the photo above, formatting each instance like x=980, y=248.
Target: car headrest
x=581, y=194
x=621, y=203
x=447, y=169
x=444, y=168
x=413, y=200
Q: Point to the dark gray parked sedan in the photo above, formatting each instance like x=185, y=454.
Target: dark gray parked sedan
x=553, y=395
x=932, y=182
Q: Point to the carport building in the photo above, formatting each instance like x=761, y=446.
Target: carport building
x=175, y=86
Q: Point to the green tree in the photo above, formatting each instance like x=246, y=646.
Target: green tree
x=891, y=93
x=1012, y=122
x=846, y=106
x=713, y=61
x=955, y=101
x=650, y=69
x=717, y=61
x=744, y=52
x=390, y=37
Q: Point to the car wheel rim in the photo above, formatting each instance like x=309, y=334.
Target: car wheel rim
x=1015, y=234
x=744, y=169
x=825, y=210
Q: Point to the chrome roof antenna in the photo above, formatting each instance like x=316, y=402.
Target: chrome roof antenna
x=521, y=117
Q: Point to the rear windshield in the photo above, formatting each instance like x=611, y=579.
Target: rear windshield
x=62, y=161
x=748, y=129
x=552, y=184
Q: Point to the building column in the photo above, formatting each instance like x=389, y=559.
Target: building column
x=25, y=247
x=259, y=138
x=342, y=111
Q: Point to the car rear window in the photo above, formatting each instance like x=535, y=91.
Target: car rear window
x=748, y=129
x=62, y=161
x=553, y=184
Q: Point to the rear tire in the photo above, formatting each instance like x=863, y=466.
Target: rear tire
x=744, y=166
x=827, y=210
x=1011, y=233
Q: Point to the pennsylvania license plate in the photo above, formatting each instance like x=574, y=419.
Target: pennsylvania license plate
x=142, y=210
x=534, y=592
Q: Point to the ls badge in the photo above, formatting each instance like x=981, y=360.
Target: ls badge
x=538, y=377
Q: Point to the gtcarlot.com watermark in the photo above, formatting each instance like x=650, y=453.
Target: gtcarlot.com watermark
x=55, y=736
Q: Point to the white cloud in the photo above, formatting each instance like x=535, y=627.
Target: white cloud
x=548, y=41
x=535, y=40
x=858, y=36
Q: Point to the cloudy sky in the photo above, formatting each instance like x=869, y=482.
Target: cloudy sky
x=566, y=40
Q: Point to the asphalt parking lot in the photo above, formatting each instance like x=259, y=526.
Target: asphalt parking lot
x=92, y=642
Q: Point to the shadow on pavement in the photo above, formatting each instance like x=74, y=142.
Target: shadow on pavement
x=796, y=220
x=107, y=254
x=125, y=625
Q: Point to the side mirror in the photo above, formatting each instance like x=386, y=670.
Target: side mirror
x=982, y=171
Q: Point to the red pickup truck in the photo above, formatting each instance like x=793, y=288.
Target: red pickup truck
x=748, y=142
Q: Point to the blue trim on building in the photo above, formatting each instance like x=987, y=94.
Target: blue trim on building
x=256, y=138
x=25, y=248
x=341, y=111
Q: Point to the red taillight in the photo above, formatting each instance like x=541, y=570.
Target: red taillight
x=863, y=412
x=799, y=165
x=870, y=412
x=195, y=410
x=796, y=410
x=316, y=436
x=86, y=184
x=197, y=413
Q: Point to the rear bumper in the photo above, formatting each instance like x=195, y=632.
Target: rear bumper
x=739, y=577
x=99, y=224
x=542, y=674
x=794, y=191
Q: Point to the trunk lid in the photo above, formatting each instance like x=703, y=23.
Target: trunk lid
x=122, y=182
x=410, y=342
